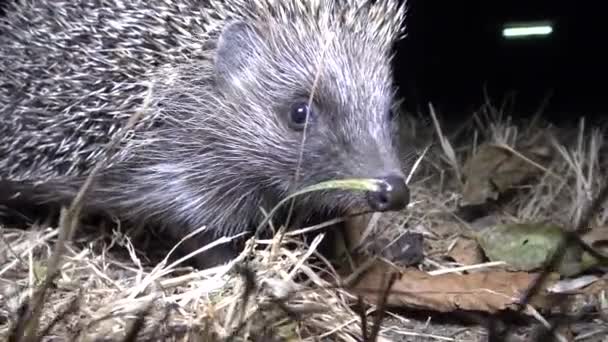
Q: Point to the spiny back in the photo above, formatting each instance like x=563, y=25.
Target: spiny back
x=74, y=71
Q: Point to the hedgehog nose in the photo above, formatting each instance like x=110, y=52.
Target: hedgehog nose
x=393, y=195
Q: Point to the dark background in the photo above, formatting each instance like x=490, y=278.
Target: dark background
x=453, y=49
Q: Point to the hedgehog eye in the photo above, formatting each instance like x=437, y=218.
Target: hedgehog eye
x=298, y=114
x=391, y=114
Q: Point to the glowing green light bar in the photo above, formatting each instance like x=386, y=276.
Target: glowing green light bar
x=527, y=31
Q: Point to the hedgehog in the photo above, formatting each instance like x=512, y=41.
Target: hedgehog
x=244, y=101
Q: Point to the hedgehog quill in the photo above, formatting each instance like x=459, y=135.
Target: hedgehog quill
x=230, y=84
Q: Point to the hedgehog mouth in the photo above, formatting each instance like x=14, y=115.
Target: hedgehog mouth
x=344, y=203
x=334, y=204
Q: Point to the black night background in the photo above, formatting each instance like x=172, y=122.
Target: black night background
x=455, y=49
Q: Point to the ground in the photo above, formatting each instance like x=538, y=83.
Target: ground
x=470, y=188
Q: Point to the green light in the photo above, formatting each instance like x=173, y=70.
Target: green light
x=526, y=31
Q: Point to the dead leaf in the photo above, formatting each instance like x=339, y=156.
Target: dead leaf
x=493, y=170
x=597, y=238
x=490, y=291
x=572, y=285
x=580, y=300
x=466, y=252
x=565, y=330
x=527, y=246
x=403, y=249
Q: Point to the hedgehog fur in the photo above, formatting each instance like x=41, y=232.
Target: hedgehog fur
x=215, y=143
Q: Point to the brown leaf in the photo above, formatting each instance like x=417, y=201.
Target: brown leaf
x=466, y=252
x=597, y=238
x=388, y=239
x=580, y=300
x=493, y=170
x=565, y=330
x=490, y=291
x=355, y=226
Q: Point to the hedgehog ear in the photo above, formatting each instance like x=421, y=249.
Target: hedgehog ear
x=234, y=49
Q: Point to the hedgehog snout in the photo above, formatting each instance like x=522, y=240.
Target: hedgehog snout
x=393, y=194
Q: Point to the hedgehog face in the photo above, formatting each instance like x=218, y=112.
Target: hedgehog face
x=335, y=91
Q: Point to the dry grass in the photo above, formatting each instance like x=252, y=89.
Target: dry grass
x=222, y=301
x=275, y=292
